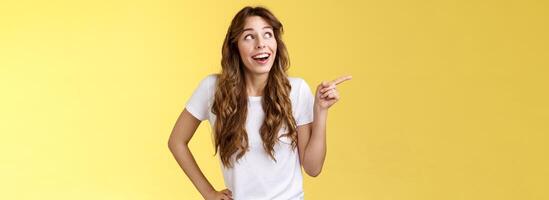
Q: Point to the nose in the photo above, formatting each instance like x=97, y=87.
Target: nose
x=260, y=43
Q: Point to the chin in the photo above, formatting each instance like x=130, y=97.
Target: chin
x=260, y=69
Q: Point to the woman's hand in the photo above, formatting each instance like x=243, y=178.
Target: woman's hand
x=326, y=93
x=225, y=194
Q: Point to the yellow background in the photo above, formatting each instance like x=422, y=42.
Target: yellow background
x=449, y=99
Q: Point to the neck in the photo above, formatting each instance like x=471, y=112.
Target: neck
x=255, y=83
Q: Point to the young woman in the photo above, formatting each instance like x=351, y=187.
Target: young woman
x=266, y=125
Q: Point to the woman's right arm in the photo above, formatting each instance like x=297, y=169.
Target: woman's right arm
x=182, y=133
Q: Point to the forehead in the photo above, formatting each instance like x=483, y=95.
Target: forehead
x=255, y=23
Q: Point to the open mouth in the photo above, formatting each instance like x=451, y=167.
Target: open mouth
x=261, y=57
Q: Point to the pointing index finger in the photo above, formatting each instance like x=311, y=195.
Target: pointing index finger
x=341, y=79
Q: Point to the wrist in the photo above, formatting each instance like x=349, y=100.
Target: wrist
x=319, y=110
x=211, y=192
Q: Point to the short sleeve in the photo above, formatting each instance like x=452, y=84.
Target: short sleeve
x=305, y=103
x=198, y=105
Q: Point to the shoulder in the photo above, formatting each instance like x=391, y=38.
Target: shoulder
x=298, y=84
x=209, y=79
x=302, y=100
x=208, y=82
x=299, y=88
x=206, y=87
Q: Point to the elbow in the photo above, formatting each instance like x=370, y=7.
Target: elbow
x=171, y=145
x=313, y=172
x=174, y=144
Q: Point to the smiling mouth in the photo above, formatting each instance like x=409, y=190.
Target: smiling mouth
x=262, y=57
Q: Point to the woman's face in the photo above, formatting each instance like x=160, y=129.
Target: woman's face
x=257, y=45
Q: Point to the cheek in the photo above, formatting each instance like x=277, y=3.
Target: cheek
x=243, y=50
x=247, y=46
x=274, y=45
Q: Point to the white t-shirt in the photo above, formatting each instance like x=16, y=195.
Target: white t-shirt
x=256, y=176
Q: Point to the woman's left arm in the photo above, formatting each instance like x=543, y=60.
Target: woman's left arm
x=312, y=137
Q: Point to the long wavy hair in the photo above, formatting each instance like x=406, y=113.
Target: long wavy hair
x=231, y=98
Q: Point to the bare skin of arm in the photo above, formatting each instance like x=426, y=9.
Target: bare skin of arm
x=311, y=138
x=182, y=133
x=312, y=145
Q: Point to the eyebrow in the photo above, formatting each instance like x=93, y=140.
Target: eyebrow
x=251, y=29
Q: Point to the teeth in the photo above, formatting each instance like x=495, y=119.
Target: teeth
x=263, y=55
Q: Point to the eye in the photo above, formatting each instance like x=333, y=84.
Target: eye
x=268, y=34
x=247, y=37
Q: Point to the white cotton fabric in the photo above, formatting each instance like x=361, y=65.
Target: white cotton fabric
x=256, y=176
